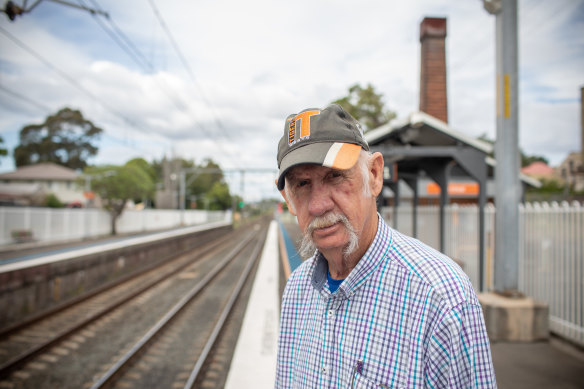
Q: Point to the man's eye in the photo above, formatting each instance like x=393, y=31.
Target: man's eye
x=302, y=183
x=336, y=175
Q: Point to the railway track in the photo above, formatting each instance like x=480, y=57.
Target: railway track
x=110, y=337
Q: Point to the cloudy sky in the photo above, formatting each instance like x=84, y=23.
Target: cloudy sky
x=216, y=78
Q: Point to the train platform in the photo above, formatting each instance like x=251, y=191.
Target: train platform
x=548, y=364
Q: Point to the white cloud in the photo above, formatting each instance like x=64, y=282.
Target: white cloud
x=255, y=62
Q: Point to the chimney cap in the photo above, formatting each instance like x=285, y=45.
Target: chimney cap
x=432, y=27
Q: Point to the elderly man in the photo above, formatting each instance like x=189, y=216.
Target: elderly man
x=371, y=308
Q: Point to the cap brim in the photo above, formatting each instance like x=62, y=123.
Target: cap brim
x=336, y=155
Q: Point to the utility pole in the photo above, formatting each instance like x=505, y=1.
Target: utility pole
x=12, y=10
x=507, y=184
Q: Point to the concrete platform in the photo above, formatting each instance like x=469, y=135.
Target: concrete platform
x=254, y=361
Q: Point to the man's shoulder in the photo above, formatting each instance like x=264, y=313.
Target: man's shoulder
x=434, y=269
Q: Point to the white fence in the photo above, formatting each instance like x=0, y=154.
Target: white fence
x=551, y=253
x=52, y=225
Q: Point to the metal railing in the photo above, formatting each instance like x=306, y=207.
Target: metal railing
x=551, y=252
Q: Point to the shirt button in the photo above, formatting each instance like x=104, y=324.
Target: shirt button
x=325, y=370
x=331, y=312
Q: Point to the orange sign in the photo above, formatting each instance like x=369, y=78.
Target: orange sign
x=454, y=188
x=89, y=195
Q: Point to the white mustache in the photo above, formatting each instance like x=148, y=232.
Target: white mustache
x=307, y=246
x=327, y=220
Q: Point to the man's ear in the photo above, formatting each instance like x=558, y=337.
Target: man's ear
x=290, y=208
x=376, y=173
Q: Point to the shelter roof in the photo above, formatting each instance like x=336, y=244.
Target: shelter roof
x=425, y=131
x=421, y=129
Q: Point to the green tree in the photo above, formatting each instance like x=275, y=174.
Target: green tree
x=208, y=182
x=118, y=184
x=3, y=151
x=366, y=105
x=65, y=138
x=219, y=197
x=149, y=169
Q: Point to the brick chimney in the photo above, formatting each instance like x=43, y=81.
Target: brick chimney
x=433, y=98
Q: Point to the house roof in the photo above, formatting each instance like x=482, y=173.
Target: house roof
x=538, y=168
x=41, y=172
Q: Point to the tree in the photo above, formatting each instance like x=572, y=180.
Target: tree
x=218, y=196
x=118, y=184
x=65, y=138
x=367, y=106
x=149, y=169
x=3, y=151
x=209, y=183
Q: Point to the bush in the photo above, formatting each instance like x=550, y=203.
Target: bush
x=53, y=201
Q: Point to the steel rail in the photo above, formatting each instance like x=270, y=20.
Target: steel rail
x=224, y=314
x=124, y=361
x=7, y=367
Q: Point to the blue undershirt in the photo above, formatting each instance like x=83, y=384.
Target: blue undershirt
x=333, y=284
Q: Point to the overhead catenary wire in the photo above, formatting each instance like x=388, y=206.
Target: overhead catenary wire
x=127, y=46
x=76, y=84
x=187, y=67
x=22, y=97
x=65, y=76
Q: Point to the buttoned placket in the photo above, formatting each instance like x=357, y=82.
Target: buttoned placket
x=332, y=303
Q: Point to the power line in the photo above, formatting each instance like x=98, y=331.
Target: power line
x=123, y=43
x=186, y=65
x=127, y=46
x=24, y=98
x=69, y=79
x=64, y=75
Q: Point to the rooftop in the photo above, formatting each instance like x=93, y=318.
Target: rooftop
x=42, y=171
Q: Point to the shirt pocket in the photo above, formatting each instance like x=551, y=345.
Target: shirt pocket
x=361, y=382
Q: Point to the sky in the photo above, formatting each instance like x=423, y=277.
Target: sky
x=216, y=78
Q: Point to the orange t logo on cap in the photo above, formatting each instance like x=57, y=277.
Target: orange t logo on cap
x=304, y=118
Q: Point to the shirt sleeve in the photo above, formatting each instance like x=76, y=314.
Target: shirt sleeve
x=459, y=353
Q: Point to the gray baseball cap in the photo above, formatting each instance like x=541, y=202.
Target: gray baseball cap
x=328, y=137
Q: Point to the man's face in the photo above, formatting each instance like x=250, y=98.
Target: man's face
x=316, y=191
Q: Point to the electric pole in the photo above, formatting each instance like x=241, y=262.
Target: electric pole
x=507, y=184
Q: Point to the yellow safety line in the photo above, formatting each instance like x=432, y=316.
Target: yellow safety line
x=284, y=253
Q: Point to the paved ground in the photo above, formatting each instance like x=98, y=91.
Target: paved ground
x=554, y=364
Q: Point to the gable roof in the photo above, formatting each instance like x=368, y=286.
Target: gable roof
x=42, y=172
x=421, y=129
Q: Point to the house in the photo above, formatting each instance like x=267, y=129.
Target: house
x=571, y=170
x=29, y=185
x=539, y=170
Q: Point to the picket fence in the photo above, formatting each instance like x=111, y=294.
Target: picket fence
x=551, y=252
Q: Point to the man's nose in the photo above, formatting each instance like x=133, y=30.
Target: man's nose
x=320, y=201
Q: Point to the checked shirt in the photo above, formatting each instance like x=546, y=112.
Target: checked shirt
x=405, y=317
